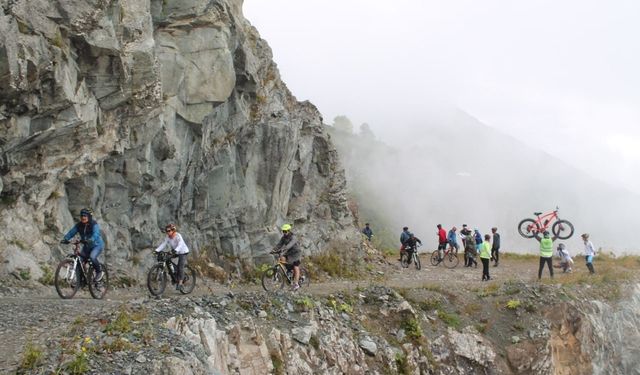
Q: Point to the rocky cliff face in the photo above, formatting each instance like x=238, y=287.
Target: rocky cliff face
x=153, y=112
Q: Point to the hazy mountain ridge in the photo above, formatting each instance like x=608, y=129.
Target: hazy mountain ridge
x=456, y=170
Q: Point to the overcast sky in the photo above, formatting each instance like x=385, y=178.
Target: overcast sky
x=563, y=76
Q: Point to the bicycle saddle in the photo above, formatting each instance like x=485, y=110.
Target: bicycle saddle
x=537, y=213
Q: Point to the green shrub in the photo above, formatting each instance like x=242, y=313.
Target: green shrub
x=31, y=358
x=451, y=320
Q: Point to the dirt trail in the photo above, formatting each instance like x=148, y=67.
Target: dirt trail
x=37, y=314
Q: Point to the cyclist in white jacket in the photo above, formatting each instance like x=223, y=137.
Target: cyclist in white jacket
x=589, y=252
x=177, y=244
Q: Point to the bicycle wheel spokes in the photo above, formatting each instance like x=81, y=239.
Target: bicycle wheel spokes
x=416, y=260
x=304, y=279
x=272, y=279
x=189, y=281
x=66, y=279
x=451, y=260
x=98, y=289
x=156, y=280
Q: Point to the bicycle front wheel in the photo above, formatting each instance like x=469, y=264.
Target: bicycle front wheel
x=98, y=289
x=416, y=260
x=451, y=260
x=435, y=258
x=562, y=229
x=528, y=228
x=273, y=279
x=189, y=280
x=66, y=279
x=157, y=280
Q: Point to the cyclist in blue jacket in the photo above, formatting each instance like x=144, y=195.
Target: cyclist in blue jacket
x=93, y=244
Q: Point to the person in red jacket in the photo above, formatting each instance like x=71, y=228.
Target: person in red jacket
x=442, y=240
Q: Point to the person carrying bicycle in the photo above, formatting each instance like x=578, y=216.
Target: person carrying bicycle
x=546, y=251
x=90, y=237
x=177, y=244
x=289, y=252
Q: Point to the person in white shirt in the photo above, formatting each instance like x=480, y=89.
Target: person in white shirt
x=177, y=244
x=566, y=263
x=589, y=252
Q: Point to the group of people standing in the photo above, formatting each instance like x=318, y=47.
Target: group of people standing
x=474, y=244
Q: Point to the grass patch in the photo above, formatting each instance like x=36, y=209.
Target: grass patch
x=513, y=304
x=412, y=328
x=518, y=256
x=430, y=304
x=48, y=278
x=472, y=308
x=338, y=260
x=304, y=304
x=490, y=290
x=204, y=266
x=450, y=319
x=31, y=359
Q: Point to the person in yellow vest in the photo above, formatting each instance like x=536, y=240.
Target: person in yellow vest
x=485, y=256
x=546, y=251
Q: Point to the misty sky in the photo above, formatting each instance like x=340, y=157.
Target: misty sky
x=562, y=76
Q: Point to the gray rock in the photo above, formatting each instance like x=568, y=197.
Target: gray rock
x=368, y=345
x=157, y=112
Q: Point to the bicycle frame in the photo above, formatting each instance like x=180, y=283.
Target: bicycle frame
x=545, y=220
x=77, y=259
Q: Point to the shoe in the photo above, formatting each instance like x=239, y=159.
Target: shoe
x=476, y=265
x=495, y=265
x=399, y=259
x=178, y=286
x=295, y=287
x=99, y=276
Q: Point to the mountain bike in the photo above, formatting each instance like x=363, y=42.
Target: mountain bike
x=562, y=229
x=449, y=257
x=74, y=273
x=166, y=269
x=410, y=255
x=280, y=273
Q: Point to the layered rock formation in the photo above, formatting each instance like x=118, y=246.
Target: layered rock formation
x=153, y=112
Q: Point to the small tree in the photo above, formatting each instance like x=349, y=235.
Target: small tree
x=343, y=124
x=365, y=132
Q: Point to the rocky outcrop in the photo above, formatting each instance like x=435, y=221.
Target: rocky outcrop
x=153, y=112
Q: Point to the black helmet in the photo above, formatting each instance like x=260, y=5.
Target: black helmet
x=86, y=212
x=405, y=228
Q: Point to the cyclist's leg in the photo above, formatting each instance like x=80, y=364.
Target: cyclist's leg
x=182, y=260
x=296, y=272
x=93, y=255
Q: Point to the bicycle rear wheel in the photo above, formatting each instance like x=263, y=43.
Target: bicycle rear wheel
x=157, y=280
x=189, y=281
x=304, y=279
x=416, y=260
x=451, y=260
x=66, y=279
x=528, y=228
x=405, y=260
x=98, y=289
x=273, y=279
x=562, y=229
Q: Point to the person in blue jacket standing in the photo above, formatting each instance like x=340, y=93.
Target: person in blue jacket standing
x=89, y=232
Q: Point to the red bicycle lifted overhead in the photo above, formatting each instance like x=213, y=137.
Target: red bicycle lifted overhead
x=562, y=229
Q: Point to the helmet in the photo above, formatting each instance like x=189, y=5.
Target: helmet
x=585, y=235
x=170, y=228
x=405, y=228
x=86, y=212
x=561, y=246
x=286, y=227
x=545, y=233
